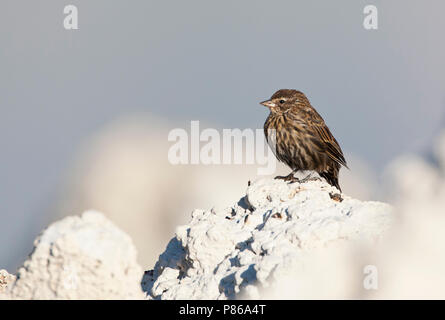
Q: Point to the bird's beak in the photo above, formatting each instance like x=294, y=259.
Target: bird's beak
x=268, y=103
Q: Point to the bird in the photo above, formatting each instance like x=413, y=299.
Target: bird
x=300, y=138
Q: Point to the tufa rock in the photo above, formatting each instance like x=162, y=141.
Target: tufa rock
x=84, y=257
x=241, y=251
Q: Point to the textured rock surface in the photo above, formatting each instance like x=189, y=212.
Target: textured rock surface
x=5, y=282
x=84, y=257
x=235, y=252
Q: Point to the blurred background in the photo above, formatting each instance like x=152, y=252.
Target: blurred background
x=85, y=114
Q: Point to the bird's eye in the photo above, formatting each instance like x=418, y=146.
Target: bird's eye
x=282, y=101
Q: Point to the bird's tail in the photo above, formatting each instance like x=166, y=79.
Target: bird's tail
x=331, y=178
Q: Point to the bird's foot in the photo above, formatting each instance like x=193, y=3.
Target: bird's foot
x=290, y=177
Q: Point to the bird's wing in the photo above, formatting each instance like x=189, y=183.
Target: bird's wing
x=328, y=142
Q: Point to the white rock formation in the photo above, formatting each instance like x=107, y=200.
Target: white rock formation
x=84, y=257
x=269, y=236
x=5, y=282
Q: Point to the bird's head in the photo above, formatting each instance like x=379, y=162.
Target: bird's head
x=285, y=99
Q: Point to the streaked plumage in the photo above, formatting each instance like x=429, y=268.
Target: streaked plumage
x=299, y=137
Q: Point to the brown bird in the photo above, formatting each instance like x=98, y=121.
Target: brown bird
x=299, y=137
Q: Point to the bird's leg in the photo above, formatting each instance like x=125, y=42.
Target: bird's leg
x=290, y=177
x=309, y=178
